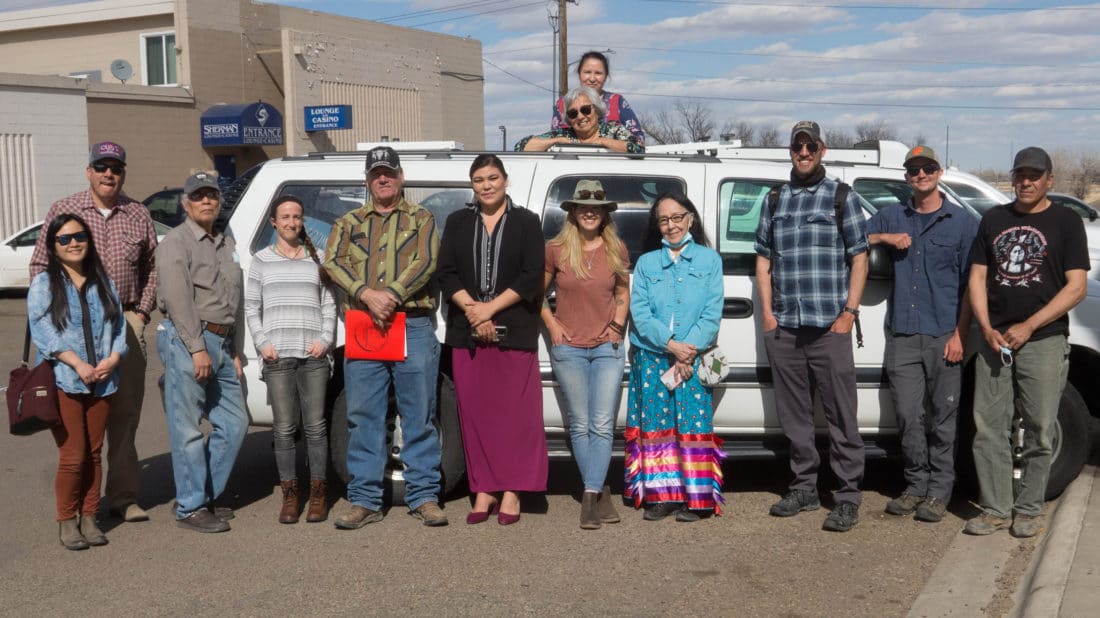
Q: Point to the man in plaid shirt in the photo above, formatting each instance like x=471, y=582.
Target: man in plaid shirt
x=810, y=270
x=123, y=231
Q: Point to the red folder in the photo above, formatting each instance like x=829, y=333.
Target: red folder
x=363, y=340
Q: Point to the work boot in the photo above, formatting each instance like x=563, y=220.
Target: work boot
x=68, y=532
x=606, y=509
x=357, y=517
x=931, y=510
x=984, y=524
x=1023, y=526
x=289, y=512
x=590, y=519
x=842, y=518
x=430, y=514
x=904, y=504
x=796, y=501
x=318, y=501
x=91, y=532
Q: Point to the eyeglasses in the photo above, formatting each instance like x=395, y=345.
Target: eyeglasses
x=585, y=194
x=116, y=169
x=198, y=195
x=811, y=146
x=584, y=111
x=927, y=168
x=65, y=239
x=677, y=218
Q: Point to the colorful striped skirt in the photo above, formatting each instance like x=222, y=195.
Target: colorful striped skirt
x=672, y=454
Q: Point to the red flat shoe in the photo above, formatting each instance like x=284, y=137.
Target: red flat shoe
x=505, y=519
x=477, y=517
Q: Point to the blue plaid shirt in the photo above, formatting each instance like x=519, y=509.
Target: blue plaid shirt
x=809, y=259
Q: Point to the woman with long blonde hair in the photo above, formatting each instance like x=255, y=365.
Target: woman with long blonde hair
x=588, y=263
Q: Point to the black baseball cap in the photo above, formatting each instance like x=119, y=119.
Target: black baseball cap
x=1033, y=158
x=383, y=156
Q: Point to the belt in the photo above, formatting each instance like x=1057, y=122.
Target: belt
x=221, y=330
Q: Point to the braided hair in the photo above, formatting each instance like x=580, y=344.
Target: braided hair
x=303, y=237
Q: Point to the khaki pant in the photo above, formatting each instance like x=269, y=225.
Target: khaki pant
x=123, y=478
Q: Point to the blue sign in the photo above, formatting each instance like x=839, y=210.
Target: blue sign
x=248, y=124
x=328, y=117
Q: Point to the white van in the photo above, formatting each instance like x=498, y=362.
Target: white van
x=729, y=195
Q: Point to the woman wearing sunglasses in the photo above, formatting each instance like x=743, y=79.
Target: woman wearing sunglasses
x=593, y=71
x=586, y=113
x=77, y=324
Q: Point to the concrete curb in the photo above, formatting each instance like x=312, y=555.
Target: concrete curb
x=1042, y=590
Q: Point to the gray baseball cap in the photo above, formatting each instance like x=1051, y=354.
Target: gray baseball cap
x=809, y=127
x=200, y=180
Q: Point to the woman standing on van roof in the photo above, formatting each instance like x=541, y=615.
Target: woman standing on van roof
x=490, y=270
x=587, y=114
x=292, y=316
x=673, y=460
x=593, y=71
x=588, y=262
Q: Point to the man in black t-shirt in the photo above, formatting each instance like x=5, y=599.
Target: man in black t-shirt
x=1029, y=264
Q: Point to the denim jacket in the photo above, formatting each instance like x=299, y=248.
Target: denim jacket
x=681, y=299
x=50, y=342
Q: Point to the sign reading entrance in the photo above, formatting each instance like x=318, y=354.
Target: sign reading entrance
x=328, y=117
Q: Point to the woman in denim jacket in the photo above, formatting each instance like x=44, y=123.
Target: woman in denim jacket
x=77, y=325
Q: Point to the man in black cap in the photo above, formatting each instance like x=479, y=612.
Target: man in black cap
x=811, y=266
x=383, y=255
x=1029, y=266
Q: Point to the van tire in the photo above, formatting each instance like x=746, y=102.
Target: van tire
x=452, y=458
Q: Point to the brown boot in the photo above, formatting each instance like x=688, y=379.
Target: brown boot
x=289, y=512
x=589, y=519
x=606, y=509
x=318, y=501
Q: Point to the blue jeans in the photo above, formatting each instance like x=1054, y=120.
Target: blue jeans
x=591, y=381
x=296, y=388
x=201, y=468
x=366, y=387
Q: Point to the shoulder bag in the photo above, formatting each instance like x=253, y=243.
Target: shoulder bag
x=32, y=395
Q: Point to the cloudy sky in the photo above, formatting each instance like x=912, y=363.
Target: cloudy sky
x=1001, y=74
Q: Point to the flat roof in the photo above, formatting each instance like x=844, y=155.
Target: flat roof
x=83, y=12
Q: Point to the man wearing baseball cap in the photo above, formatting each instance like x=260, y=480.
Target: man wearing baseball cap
x=928, y=238
x=1029, y=266
x=200, y=294
x=123, y=230
x=383, y=255
x=811, y=266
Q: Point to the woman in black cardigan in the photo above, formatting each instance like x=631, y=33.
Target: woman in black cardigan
x=490, y=270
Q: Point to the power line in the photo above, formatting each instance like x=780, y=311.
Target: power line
x=487, y=12
x=440, y=10
x=1027, y=108
x=769, y=80
x=910, y=7
x=513, y=75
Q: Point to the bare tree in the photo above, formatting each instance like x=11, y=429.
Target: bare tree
x=740, y=130
x=697, y=119
x=875, y=130
x=1075, y=172
x=838, y=138
x=768, y=136
x=920, y=139
x=662, y=127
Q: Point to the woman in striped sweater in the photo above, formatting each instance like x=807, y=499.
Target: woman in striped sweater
x=292, y=316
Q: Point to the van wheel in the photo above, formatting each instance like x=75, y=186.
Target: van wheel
x=452, y=459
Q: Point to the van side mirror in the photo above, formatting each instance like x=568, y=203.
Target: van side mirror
x=880, y=266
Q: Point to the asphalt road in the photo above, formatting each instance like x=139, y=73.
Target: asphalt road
x=742, y=563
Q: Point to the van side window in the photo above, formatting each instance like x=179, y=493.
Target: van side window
x=634, y=195
x=740, y=203
x=325, y=203
x=881, y=192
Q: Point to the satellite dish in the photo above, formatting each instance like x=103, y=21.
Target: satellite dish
x=122, y=70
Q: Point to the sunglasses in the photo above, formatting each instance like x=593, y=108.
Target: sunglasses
x=198, y=195
x=116, y=169
x=65, y=239
x=811, y=146
x=672, y=218
x=583, y=110
x=927, y=168
x=585, y=194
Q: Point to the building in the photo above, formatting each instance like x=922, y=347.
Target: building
x=225, y=84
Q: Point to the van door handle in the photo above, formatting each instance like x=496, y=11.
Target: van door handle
x=739, y=308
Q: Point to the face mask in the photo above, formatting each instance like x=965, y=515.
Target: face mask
x=683, y=241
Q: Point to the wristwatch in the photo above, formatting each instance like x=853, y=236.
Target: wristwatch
x=852, y=311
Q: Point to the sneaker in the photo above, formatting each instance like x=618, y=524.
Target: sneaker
x=202, y=520
x=842, y=518
x=985, y=524
x=660, y=510
x=430, y=514
x=904, y=504
x=796, y=501
x=1023, y=526
x=931, y=510
x=357, y=517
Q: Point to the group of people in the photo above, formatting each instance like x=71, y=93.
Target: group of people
x=98, y=273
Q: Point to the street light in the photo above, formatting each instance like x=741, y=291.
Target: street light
x=503, y=138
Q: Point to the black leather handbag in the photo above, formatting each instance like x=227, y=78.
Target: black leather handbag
x=32, y=395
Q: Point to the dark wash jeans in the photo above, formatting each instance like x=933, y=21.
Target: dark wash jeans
x=296, y=388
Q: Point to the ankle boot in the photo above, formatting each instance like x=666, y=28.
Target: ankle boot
x=289, y=512
x=68, y=532
x=91, y=532
x=606, y=509
x=589, y=519
x=318, y=501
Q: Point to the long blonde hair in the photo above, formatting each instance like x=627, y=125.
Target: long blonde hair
x=572, y=252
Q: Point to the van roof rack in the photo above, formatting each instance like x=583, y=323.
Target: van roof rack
x=878, y=153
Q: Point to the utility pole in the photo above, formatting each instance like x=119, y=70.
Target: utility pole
x=554, y=20
x=563, y=48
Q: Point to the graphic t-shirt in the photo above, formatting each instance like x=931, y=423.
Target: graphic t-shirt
x=1027, y=256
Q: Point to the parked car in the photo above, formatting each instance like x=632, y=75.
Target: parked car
x=166, y=206
x=1087, y=212
x=15, y=255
